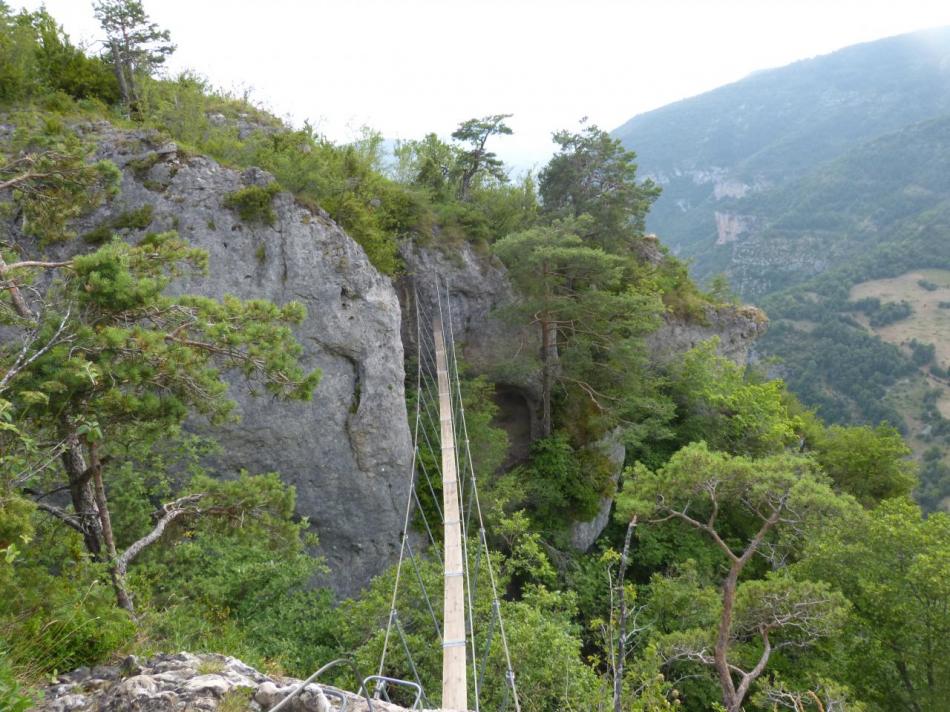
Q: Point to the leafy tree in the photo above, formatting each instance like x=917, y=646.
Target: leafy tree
x=47, y=177
x=136, y=46
x=563, y=483
x=477, y=160
x=428, y=163
x=592, y=174
x=542, y=635
x=894, y=567
x=37, y=58
x=934, y=480
x=719, y=403
x=122, y=353
x=869, y=463
x=779, y=496
x=590, y=322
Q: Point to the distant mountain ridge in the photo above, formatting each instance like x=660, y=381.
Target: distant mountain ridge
x=726, y=158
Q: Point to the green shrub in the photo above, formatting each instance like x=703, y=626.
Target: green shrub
x=141, y=166
x=60, y=621
x=99, y=235
x=565, y=483
x=137, y=219
x=13, y=698
x=254, y=204
x=890, y=313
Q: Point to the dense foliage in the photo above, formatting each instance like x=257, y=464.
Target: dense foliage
x=757, y=559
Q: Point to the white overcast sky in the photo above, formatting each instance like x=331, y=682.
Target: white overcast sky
x=407, y=67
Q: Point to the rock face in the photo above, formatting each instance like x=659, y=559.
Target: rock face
x=584, y=534
x=478, y=292
x=190, y=683
x=736, y=327
x=347, y=451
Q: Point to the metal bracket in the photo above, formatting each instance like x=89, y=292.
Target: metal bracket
x=383, y=681
x=332, y=693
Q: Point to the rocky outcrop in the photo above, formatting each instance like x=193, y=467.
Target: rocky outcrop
x=191, y=683
x=731, y=226
x=347, y=451
x=478, y=292
x=736, y=327
x=584, y=534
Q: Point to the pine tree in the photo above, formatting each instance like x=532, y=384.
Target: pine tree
x=136, y=46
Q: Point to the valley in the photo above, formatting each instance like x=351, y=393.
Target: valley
x=811, y=187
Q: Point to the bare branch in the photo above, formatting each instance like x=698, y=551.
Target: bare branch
x=4, y=268
x=22, y=361
x=171, y=511
x=62, y=515
x=754, y=673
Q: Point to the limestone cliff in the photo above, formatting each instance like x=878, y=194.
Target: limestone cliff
x=479, y=291
x=736, y=327
x=348, y=451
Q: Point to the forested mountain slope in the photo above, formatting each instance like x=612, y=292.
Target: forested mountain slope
x=720, y=156
x=805, y=183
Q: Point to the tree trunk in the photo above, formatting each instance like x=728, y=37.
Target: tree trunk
x=548, y=356
x=118, y=66
x=622, y=632
x=546, y=378
x=82, y=493
x=729, y=698
x=122, y=596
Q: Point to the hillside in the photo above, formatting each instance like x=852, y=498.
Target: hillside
x=809, y=182
x=733, y=161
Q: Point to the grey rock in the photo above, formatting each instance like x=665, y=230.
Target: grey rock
x=347, y=451
x=174, y=683
x=584, y=534
x=479, y=292
x=208, y=684
x=68, y=703
x=736, y=327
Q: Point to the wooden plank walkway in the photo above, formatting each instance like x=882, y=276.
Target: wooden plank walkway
x=454, y=681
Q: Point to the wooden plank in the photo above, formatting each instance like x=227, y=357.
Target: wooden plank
x=454, y=681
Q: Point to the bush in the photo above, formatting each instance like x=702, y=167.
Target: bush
x=137, y=219
x=12, y=697
x=922, y=354
x=890, y=313
x=565, y=483
x=37, y=59
x=928, y=285
x=60, y=621
x=254, y=204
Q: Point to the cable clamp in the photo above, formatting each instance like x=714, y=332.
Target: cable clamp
x=453, y=643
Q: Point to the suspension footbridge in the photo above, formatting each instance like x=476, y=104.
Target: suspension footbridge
x=454, y=526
